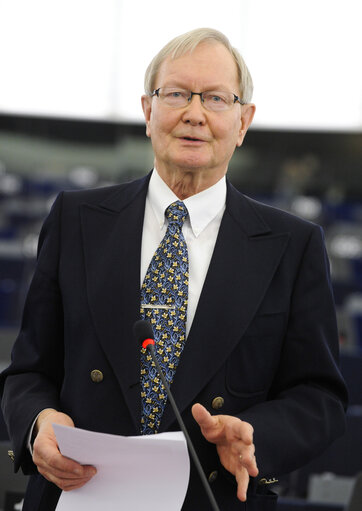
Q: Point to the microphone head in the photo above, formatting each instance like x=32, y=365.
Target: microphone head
x=142, y=330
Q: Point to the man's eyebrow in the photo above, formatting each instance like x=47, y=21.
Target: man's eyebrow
x=179, y=85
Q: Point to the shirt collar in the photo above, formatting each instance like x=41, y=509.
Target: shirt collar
x=202, y=207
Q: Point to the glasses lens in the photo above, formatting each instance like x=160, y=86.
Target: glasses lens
x=174, y=97
x=217, y=101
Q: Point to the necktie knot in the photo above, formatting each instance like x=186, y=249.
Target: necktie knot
x=176, y=214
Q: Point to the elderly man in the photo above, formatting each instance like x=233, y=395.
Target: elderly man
x=238, y=295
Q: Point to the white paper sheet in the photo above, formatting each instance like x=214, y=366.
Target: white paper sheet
x=133, y=473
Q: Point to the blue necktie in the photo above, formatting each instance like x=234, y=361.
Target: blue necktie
x=164, y=296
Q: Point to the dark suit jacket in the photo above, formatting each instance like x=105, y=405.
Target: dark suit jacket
x=264, y=337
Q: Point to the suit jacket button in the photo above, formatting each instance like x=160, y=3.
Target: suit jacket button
x=213, y=476
x=96, y=376
x=217, y=403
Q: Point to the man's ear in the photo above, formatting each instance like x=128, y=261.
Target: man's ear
x=247, y=115
x=147, y=107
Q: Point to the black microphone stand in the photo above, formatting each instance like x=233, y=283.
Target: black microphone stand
x=215, y=507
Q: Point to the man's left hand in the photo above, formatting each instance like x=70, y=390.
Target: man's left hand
x=234, y=443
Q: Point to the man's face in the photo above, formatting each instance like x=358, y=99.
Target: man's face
x=191, y=138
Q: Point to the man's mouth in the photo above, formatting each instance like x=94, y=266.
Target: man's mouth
x=193, y=139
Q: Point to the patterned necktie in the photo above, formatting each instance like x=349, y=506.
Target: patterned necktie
x=164, y=295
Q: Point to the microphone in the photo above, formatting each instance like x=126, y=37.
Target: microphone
x=143, y=332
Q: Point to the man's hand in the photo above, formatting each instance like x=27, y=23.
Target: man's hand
x=64, y=472
x=234, y=444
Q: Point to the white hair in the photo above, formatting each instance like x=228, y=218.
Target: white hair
x=186, y=43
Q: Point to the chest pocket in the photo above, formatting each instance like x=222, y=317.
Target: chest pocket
x=251, y=366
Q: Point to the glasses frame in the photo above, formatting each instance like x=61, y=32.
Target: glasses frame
x=156, y=92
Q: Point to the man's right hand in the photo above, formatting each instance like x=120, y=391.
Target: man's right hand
x=67, y=474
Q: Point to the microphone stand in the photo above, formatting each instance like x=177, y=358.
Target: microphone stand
x=215, y=507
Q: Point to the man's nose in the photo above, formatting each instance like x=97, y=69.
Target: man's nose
x=194, y=112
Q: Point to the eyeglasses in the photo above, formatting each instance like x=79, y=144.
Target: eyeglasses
x=212, y=100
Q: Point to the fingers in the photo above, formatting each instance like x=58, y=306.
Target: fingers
x=203, y=417
x=242, y=479
x=234, y=443
x=47, y=457
x=67, y=474
x=239, y=435
x=211, y=427
x=67, y=480
x=238, y=430
x=246, y=467
x=246, y=458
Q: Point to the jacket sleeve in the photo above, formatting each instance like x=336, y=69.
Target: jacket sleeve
x=33, y=380
x=304, y=412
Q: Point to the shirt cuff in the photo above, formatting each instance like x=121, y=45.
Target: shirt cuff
x=30, y=435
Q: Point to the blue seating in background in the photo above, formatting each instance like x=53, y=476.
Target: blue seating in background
x=343, y=457
x=287, y=504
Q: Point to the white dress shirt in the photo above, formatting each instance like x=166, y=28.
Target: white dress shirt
x=200, y=231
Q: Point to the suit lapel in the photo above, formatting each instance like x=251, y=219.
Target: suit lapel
x=245, y=258
x=112, y=235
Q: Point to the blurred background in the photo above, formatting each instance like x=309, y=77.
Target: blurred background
x=71, y=78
